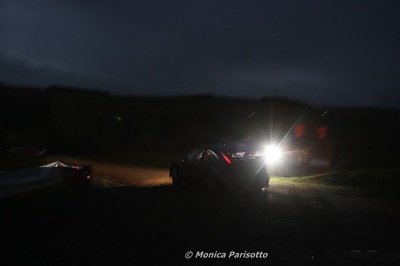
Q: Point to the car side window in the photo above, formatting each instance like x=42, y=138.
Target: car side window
x=192, y=156
x=211, y=156
x=201, y=155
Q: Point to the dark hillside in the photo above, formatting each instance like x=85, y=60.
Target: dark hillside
x=155, y=130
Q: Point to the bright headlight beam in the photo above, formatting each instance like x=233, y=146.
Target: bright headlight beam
x=273, y=154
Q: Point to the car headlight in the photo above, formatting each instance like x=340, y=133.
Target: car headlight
x=273, y=154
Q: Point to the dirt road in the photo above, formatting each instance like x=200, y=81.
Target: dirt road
x=155, y=225
x=122, y=174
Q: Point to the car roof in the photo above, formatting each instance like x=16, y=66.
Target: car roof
x=232, y=147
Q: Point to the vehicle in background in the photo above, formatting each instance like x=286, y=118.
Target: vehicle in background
x=73, y=175
x=21, y=181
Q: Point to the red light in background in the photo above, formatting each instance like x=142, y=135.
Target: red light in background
x=227, y=160
x=299, y=130
x=322, y=132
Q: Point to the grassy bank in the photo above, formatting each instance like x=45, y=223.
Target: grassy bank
x=383, y=183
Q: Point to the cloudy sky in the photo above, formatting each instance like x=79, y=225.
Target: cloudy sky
x=323, y=52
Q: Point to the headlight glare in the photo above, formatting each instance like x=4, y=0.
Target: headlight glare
x=273, y=154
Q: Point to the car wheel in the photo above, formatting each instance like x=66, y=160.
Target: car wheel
x=176, y=180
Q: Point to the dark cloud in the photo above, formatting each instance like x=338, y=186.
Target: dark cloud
x=327, y=52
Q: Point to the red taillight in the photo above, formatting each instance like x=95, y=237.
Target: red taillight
x=299, y=130
x=226, y=158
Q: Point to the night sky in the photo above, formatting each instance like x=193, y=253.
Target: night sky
x=322, y=52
